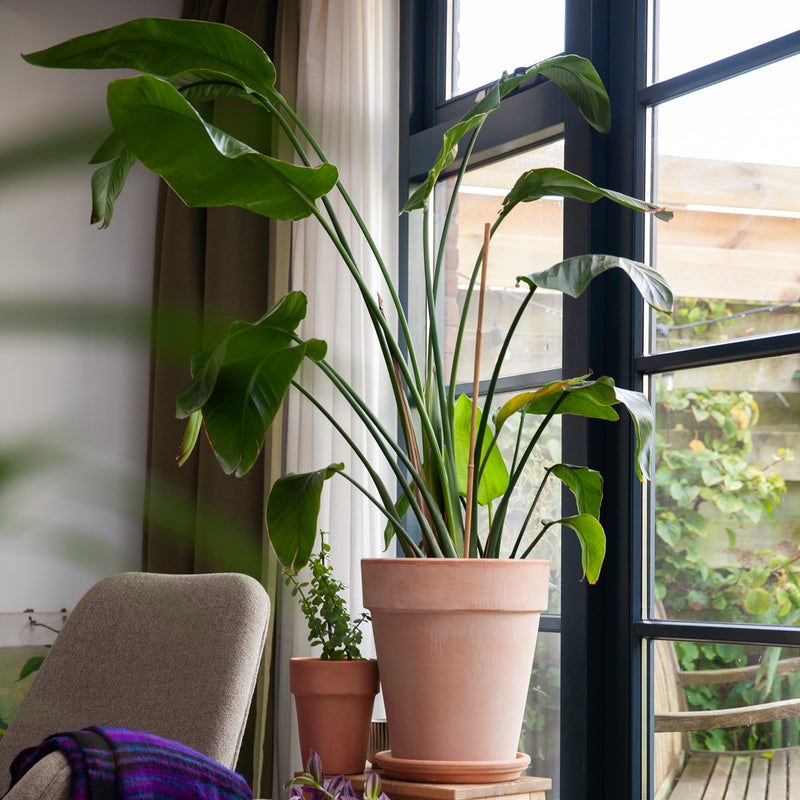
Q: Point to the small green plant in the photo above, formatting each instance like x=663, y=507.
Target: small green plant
x=313, y=783
x=322, y=604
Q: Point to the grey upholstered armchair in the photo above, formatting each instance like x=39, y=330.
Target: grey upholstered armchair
x=172, y=655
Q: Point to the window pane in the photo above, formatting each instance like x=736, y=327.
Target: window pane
x=682, y=30
x=715, y=677
x=727, y=505
x=529, y=240
x=540, y=737
x=728, y=163
x=489, y=38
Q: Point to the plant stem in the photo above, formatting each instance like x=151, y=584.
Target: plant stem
x=387, y=504
x=472, y=485
x=528, y=516
x=401, y=316
x=435, y=380
x=496, y=533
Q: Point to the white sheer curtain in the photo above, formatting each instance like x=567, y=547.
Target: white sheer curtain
x=347, y=94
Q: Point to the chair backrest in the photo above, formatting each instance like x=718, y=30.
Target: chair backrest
x=173, y=655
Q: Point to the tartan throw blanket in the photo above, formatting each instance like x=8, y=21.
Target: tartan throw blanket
x=120, y=764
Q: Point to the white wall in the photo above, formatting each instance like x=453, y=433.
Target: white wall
x=73, y=518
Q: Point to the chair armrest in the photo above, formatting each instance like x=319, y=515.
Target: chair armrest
x=705, y=677
x=48, y=779
x=670, y=721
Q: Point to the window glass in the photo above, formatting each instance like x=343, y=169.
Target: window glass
x=691, y=33
x=727, y=492
x=692, y=754
x=529, y=240
x=540, y=737
x=489, y=38
x=727, y=162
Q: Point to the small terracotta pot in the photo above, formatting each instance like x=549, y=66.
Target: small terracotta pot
x=334, y=700
x=455, y=640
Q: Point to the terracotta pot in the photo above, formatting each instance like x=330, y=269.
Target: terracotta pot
x=334, y=700
x=455, y=641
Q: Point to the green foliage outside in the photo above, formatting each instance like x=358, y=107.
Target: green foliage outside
x=16, y=678
x=325, y=610
x=707, y=486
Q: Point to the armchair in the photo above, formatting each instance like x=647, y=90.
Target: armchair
x=173, y=655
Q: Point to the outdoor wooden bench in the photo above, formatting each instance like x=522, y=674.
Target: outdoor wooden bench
x=684, y=774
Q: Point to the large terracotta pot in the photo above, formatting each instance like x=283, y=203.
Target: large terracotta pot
x=334, y=700
x=455, y=641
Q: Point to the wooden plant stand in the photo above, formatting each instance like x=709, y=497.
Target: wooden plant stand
x=525, y=788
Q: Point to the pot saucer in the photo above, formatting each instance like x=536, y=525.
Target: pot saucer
x=409, y=769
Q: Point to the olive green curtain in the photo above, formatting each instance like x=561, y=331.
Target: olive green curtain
x=211, y=267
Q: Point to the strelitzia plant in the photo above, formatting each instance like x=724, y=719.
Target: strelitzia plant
x=238, y=386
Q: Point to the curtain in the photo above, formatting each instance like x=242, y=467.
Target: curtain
x=212, y=267
x=347, y=94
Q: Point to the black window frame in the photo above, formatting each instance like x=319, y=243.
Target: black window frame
x=602, y=627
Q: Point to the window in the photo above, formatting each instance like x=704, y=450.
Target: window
x=701, y=564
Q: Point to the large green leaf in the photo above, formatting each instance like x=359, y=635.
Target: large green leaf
x=244, y=341
x=585, y=484
x=547, y=181
x=292, y=511
x=246, y=397
x=165, y=47
x=494, y=480
x=591, y=399
x=577, y=78
x=240, y=384
x=585, y=399
x=204, y=165
x=592, y=539
x=522, y=400
x=575, y=75
x=574, y=275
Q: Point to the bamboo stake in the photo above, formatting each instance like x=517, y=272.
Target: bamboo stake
x=475, y=389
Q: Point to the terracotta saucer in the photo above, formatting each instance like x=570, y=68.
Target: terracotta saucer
x=406, y=769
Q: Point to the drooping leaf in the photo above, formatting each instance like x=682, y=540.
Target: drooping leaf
x=641, y=413
x=190, y=436
x=575, y=75
x=494, y=480
x=549, y=181
x=246, y=341
x=578, y=79
x=475, y=116
x=292, y=511
x=584, y=399
x=575, y=274
x=592, y=399
x=107, y=183
x=240, y=384
x=592, y=539
x=205, y=166
x=585, y=484
x=521, y=401
x=165, y=47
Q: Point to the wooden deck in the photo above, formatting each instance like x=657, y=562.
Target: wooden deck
x=772, y=775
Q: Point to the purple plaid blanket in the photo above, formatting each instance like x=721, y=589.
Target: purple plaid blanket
x=119, y=764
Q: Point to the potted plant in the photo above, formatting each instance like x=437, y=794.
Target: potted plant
x=314, y=784
x=334, y=693
x=457, y=515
